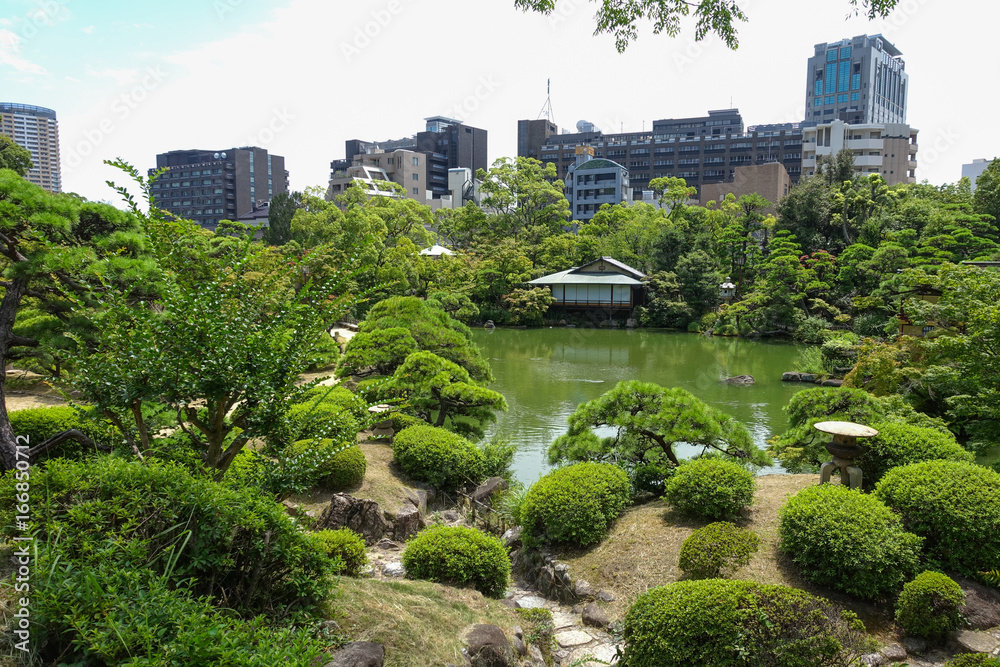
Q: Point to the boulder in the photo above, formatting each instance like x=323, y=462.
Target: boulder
x=791, y=377
x=291, y=509
x=982, y=604
x=359, y=654
x=740, y=379
x=914, y=645
x=512, y=537
x=394, y=569
x=595, y=617
x=407, y=523
x=583, y=589
x=976, y=641
x=488, y=647
x=592, y=656
x=418, y=498
x=605, y=596
x=807, y=377
x=385, y=544
x=894, y=653
x=832, y=382
x=484, y=492
x=874, y=660
x=363, y=516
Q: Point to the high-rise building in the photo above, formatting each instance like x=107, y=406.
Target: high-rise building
x=862, y=80
x=887, y=149
x=208, y=186
x=973, y=170
x=36, y=129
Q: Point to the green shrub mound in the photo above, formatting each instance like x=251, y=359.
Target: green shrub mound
x=334, y=470
x=930, y=606
x=327, y=413
x=40, y=424
x=899, y=444
x=954, y=506
x=401, y=420
x=973, y=660
x=247, y=471
x=738, y=624
x=344, y=546
x=577, y=504
x=459, y=556
x=237, y=547
x=710, y=488
x=717, y=547
x=848, y=541
x=439, y=457
x=649, y=478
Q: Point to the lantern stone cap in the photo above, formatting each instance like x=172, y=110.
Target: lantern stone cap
x=381, y=407
x=849, y=429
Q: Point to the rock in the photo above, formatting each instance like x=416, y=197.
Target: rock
x=489, y=325
x=914, y=644
x=807, y=377
x=630, y=323
x=740, y=379
x=874, y=660
x=561, y=619
x=362, y=516
x=385, y=544
x=519, y=646
x=518, y=632
x=530, y=602
x=509, y=603
x=484, y=492
x=832, y=382
x=291, y=509
x=394, y=569
x=562, y=323
x=583, y=589
x=451, y=516
x=407, y=523
x=418, y=498
x=572, y=638
x=976, y=641
x=592, y=656
x=546, y=579
x=605, y=596
x=488, y=647
x=359, y=654
x=595, y=617
x=982, y=604
x=894, y=653
x=791, y=377
x=512, y=537
x=535, y=654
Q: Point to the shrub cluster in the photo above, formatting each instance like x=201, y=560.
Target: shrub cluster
x=899, y=444
x=710, y=488
x=460, y=556
x=974, y=660
x=325, y=412
x=717, y=547
x=401, y=420
x=848, y=541
x=955, y=506
x=930, y=606
x=650, y=478
x=735, y=623
x=40, y=424
x=337, y=470
x=439, y=457
x=345, y=547
x=576, y=505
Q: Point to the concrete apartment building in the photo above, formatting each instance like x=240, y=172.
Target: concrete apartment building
x=861, y=80
x=973, y=170
x=888, y=149
x=590, y=183
x=36, y=129
x=208, y=186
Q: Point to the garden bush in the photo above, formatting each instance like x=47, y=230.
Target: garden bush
x=234, y=545
x=930, y=606
x=335, y=470
x=739, y=624
x=402, y=420
x=40, y=424
x=954, y=506
x=973, y=660
x=576, y=505
x=325, y=353
x=439, y=457
x=327, y=413
x=710, y=488
x=650, y=478
x=899, y=444
x=345, y=546
x=717, y=547
x=847, y=540
x=459, y=556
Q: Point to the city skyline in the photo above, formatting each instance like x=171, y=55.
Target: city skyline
x=132, y=82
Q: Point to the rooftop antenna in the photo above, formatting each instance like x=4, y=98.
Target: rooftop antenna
x=546, y=111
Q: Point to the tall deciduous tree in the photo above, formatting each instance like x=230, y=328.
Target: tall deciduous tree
x=986, y=198
x=14, y=156
x=527, y=196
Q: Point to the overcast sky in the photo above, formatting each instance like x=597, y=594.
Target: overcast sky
x=132, y=79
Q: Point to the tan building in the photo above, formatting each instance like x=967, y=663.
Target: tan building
x=36, y=129
x=406, y=168
x=887, y=149
x=771, y=181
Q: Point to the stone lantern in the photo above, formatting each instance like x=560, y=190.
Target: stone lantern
x=727, y=290
x=844, y=450
x=382, y=429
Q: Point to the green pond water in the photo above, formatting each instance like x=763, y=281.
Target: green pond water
x=546, y=373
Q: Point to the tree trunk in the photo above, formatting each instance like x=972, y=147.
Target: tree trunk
x=8, y=312
x=71, y=434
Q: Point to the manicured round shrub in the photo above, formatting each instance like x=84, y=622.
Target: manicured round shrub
x=439, y=457
x=576, y=505
x=40, y=424
x=973, y=660
x=650, y=478
x=336, y=470
x=460, y=556
x=737, y=623
x=344, y=545
x=402, y=421
x=327, y=413
x=955, y=506
x=710, y=488
x=899, y=444
x=847, y=540
x=717, y=547
x=930, y=606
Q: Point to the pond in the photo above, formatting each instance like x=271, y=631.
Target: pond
x=546, y=373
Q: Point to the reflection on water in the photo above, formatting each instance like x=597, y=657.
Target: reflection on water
x=546, y=373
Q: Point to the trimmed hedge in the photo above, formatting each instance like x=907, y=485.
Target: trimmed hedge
x=460, y=556
x=726, y=623
x=717, y=547
x=40, y=424
x=576, y=504
x=930, y=606
x=955, y=506
x=847, y=540
x=346, y=547
x=439, y=457
x=339, y=471
x=327, y=413
x=899, y=444
x=711, y=488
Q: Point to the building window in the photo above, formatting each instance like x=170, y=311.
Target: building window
x=845, y=52
x=855, y=82
x=416, y=190
x=416, y=177
x=854, y=97
x=831, y=55
x=829, y=99
x=818, y=88
x=416, y=163
x=845, y=72
x=831, y=77
x=842, y=98
x=818, y=102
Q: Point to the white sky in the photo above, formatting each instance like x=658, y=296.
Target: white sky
x=134, y=79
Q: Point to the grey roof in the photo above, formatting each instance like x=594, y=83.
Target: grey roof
x=611, y=260
x=599, y=163
x=570, y=278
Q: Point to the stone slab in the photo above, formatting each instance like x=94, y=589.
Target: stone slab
x=592, y=656
x=561, y=619
x=531, y=602
x=571, y=638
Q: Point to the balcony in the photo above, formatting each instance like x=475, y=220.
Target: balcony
x=911, y=164
x=867, y=160
x=864, y=144
x=911, y=148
